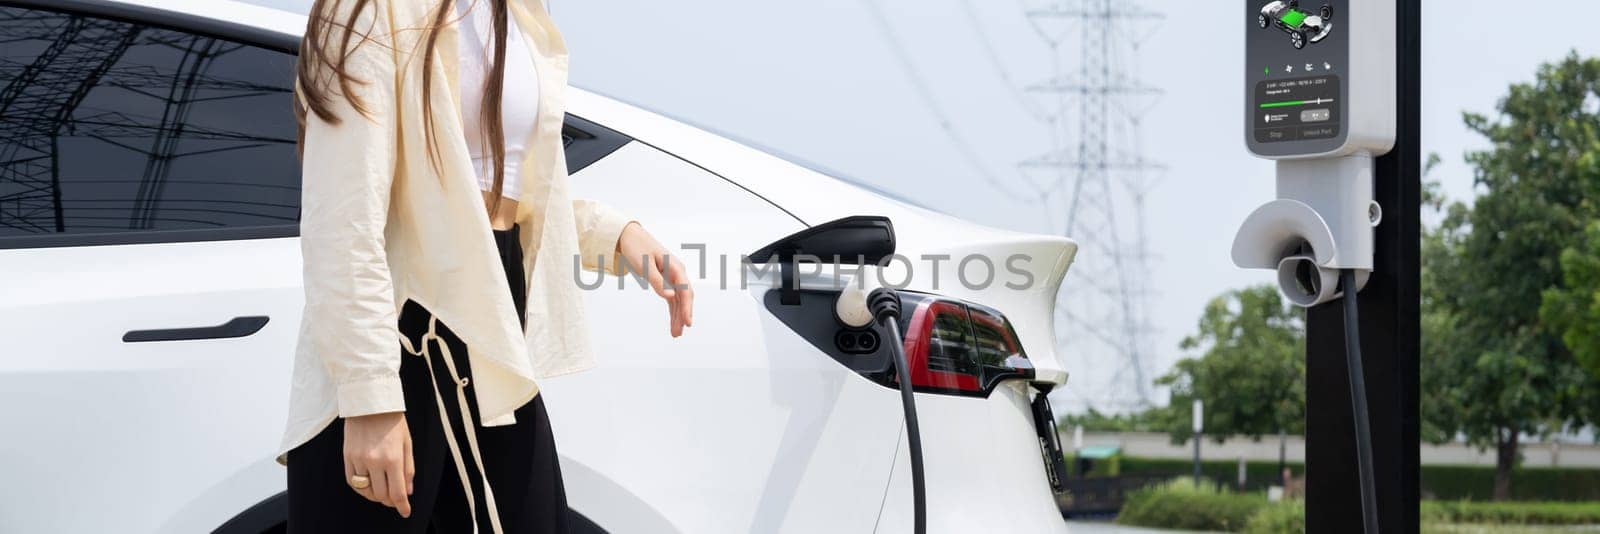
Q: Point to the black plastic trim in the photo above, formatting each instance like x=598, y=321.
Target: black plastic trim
x=149, y=237
x=853, y=240
x=814, y=321
x=1044, y=426
x=263, y=517
x=273, y=513
x=587, y=142
x=580, y=524
x=235, y=327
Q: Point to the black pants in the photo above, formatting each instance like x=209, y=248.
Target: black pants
x=520, y=459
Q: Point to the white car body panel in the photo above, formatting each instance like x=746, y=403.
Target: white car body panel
x=736, y=426
x=739, y=426
x=83, y=406
x=982, y=467
x=817, y=198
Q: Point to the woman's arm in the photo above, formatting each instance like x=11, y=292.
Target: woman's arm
x=599, y=229
x=349, y=319
x=609, y=239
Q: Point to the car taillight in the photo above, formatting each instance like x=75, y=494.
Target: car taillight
x=959, y=348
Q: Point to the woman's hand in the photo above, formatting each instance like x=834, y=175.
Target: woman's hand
x=378, y=446
x=666, y=274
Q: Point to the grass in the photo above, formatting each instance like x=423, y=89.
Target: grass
x=1179, y=504
x=1511, y=513
x=1448, y=528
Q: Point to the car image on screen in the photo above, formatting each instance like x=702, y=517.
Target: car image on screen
x=1302, y=27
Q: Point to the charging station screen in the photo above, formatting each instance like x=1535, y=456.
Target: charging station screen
x=1296, y=53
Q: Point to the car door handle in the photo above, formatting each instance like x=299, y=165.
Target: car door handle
x=235, y=327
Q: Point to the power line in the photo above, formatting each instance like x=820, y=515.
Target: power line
x=1088, y=177
x=1022, y=99
x=918, y=82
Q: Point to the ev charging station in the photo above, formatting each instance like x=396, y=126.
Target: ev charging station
x=1331, y=95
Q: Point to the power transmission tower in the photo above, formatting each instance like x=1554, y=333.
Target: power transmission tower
x=1095, y=180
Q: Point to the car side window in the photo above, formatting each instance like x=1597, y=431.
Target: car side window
x=112, y=129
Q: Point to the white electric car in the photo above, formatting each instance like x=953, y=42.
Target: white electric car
x=150, y=296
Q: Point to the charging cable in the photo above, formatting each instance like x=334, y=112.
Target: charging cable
x=1358, y=400
x=885, y=307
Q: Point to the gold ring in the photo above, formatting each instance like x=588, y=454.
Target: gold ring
x=360, y=482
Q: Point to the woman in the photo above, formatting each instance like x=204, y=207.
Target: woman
x=431, y=143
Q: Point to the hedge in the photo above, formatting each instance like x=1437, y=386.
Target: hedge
x=1443, y=482
x=1258, y=475
x=1179, y=504
x=1467, y=482
x=1282, y=517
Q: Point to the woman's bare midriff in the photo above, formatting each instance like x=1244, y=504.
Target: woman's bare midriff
x=507, y=215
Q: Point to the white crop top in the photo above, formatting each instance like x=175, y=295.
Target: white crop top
x=519, y=109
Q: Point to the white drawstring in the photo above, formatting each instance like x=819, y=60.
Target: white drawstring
x=449, y=430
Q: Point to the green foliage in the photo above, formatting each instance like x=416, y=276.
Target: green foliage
x=1574, y=309
x=1179, y=504
x=1283, y=517
x=1470, y=528
x=1258, y=475
x=1455, y=482
x=1250, y=373
x=1492, y=369
x=1511, y=513
x=1094, y=421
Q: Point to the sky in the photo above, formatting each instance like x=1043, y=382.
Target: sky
x=928, y=99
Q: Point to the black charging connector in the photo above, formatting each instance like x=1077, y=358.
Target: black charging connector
x=885, y=306
x=1358, y=400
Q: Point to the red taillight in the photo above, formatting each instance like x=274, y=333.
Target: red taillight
x=937, y=339
x=954, y=348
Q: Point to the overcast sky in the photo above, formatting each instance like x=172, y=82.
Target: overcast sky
x=868, y=86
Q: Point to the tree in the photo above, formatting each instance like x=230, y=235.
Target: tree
x=1573, y=310
x=1492, y=370
x=1251, y=373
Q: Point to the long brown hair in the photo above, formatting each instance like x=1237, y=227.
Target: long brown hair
x=317, y=53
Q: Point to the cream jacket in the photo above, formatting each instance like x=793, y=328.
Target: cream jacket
x=381, y=224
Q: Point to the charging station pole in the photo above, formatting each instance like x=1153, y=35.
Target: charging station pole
x=1389, y=337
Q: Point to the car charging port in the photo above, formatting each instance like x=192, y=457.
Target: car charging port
x=856, y=341
x=868, y=341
